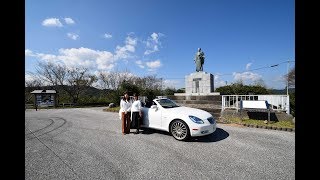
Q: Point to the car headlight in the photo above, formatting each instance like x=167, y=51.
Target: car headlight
x=196, y=119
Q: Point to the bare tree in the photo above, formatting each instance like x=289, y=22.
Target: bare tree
x=31, y=84
x=291, y=77
x=112, y=80
x=72, y=80
x=52, y=74
x=34, y=82
x=77, y=80
x=104, y=77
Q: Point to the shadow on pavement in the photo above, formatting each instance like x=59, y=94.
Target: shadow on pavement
x=151, y=131
x=218, y=135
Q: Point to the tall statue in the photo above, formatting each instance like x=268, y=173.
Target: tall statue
x=199, y=60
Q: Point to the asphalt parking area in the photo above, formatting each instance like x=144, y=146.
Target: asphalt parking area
x=87, y=143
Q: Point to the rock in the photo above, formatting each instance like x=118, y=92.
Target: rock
x=294, y=120
x=111, y=105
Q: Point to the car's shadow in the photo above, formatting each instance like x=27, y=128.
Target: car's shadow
x=152, y=131
x=218, y=135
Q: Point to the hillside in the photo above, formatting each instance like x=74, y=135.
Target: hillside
x=89, y=95
x=281, y=91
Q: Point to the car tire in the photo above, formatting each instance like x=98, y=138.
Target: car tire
x=179, y=130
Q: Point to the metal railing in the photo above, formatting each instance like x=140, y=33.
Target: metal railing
x=276, y=102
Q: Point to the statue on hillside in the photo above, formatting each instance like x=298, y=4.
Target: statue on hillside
x=199, y=60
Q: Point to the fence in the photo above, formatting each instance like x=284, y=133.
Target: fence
x=276, y=102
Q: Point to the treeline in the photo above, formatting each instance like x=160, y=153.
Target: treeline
x=80, y=87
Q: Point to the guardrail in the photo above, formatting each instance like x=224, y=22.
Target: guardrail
x=67, y=104
x=29, y=106
x=277, y=102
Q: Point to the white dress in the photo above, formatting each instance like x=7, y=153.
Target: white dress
x=124, y=106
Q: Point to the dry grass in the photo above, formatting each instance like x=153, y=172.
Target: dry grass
x=282, y=124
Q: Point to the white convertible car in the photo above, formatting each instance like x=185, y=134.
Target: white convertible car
x=182, y=122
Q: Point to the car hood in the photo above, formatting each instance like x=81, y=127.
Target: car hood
x=186, y=111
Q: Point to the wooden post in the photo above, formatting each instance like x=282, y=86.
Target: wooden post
x=268, y=116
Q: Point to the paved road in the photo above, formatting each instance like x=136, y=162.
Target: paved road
x=87, y=144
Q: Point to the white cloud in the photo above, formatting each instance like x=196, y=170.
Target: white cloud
x=28, y=52
x=149, y=51
x=105, y=61
x=248, y=66
x=154, y=64
x=280, y=78
x=52, y=22
x=155, y=37
x=151, y=65
x=248, y=77
x=29, y=77
x=171, y=83
x=140, y=64
x=131, y=41
x=69, y=21
x=73, y=36
x=123, y=52
x=153, y=43
x=218, y=82
x=87, y=57
x=107, y=36
x=47, y=57
x=73, y=57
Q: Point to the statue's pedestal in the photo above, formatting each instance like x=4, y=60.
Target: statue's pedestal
x=199, y=83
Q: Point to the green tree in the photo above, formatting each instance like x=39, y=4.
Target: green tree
x=292, y=97
x=239, y=88
x=169, y=91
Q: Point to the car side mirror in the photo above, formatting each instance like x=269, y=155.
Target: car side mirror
x=154, y=107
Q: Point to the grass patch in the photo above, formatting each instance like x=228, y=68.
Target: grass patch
x=282, y=124
x=114, y=109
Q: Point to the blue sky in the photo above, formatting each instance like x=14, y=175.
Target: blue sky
x=161, y=37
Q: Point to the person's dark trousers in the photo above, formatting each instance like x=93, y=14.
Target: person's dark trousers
x=135, y=121
x=125, y=121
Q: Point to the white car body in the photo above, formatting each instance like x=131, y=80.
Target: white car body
x=160, y=118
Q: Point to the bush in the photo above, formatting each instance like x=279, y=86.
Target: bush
x=292, y=97
x=239, y=88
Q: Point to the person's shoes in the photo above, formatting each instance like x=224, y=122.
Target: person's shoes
x=137, y=132
x=123, y=133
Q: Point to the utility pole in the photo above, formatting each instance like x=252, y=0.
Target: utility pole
x=288, y=77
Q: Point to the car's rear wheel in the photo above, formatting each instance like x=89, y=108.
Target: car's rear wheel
x=179, y=130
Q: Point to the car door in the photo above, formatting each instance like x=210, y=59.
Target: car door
x=155, y=113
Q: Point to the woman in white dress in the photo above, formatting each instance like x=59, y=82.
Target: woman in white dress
x=124, y=113
x=136, y=113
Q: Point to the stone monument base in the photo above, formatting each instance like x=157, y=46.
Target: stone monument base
x=199, y=83
x=210, y=103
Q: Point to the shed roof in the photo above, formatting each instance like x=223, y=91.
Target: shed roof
x=43, y=92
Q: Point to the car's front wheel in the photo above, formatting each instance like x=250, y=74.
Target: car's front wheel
x=179, y=130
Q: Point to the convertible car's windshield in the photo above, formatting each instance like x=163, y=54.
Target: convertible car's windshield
x=167, y=103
